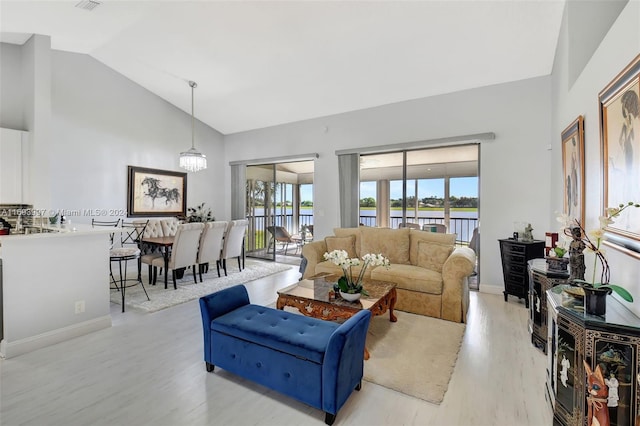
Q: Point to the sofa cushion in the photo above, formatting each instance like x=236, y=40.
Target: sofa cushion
x=415, y=236
x=287, y=332
x=410, y=277
x=432, y=256
x=345, y=232
x=347, y=244
x=391, y=243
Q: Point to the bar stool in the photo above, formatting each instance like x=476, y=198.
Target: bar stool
x=112, y=224
x=130, y=238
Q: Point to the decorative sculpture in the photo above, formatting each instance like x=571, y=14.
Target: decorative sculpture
x=576, y=256
x=564, y=373
x=597, y=397
x=612, y=384
x=527, y=235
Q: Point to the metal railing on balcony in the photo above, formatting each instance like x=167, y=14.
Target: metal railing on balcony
x=461, y=226
x=257, y=238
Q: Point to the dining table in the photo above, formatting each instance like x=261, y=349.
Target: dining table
x=164, y=244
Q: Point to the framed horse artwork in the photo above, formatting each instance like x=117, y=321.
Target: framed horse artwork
x=153, y=192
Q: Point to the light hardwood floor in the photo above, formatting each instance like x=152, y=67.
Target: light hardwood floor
x=147, y=370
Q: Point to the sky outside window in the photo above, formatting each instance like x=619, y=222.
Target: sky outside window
x=459, y=187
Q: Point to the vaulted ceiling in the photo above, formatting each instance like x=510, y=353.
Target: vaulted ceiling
x=264, y=63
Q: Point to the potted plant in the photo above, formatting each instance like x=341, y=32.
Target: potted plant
x=351, y=289
x=53, y=219
x=199, y=214
x=556, y=260
x=596, y=291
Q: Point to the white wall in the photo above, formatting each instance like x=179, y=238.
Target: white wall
x=620, y=45
x=515, y=167
x=101, y=122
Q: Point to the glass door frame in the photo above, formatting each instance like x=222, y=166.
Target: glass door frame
x=269, y=214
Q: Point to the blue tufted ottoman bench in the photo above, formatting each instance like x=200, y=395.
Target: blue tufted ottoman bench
x=314, y=361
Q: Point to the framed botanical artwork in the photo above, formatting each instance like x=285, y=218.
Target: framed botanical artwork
x=573, y=169
x=153, y=192
x=620, y=143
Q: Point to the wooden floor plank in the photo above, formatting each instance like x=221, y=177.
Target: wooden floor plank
x=147, y=370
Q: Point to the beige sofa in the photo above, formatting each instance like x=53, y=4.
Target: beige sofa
x=430, y=271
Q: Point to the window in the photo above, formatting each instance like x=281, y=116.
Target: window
x=419, y=187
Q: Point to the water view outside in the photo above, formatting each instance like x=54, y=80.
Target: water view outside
x=461, y=222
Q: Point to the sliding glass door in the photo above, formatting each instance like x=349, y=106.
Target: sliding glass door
x=279, y=208
x=261, y=209
x=432, y=189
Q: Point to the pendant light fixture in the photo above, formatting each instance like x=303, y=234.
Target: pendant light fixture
x=193, y=160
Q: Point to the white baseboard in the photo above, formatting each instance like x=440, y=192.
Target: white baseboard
x=19, y=347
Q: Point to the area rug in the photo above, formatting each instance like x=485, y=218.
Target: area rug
x=415, y=356
x=188, y=290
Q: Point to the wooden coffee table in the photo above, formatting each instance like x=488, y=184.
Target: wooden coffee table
x=311, y=298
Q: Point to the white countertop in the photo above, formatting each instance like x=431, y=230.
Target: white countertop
x=59, y=231
x=62, y=230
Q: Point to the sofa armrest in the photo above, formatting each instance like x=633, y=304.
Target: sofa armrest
x=458, y=266
x=343, y=364
x=217, y=304
x=313, y=253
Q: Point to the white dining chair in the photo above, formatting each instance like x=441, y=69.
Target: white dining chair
x=184, y=251
x=234, y=243
x=148, y=253
x=169, y=226
x=211, y=243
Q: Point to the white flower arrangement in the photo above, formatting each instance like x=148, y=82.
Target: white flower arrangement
x=592, y=241
x=347, y=283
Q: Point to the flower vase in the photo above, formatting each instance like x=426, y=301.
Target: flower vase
x=350, y=297
x=595, y=300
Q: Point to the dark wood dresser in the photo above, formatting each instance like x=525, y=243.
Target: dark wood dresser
x=515, y=255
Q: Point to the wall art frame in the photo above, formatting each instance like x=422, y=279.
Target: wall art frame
x=573, y=169
x=155, y=192
x=620, y=148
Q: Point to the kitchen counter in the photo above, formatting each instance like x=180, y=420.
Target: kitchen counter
x=52, y=231
x=55, y=286
x=44, y=230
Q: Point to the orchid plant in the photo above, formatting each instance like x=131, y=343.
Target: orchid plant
x=347, y=283
x=592, y=241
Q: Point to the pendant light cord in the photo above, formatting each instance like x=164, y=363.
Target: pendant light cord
x=193, y=120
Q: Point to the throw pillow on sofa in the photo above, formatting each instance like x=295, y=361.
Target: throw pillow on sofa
x=432, y=256
x=345, y=232
x=391, y=243
x=433, y=237
x=347, y=244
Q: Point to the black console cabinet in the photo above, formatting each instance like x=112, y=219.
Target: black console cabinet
x=541, y=279
x=612, y=342
x=515, y=255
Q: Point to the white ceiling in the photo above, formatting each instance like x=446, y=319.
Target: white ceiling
x=264, y=63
